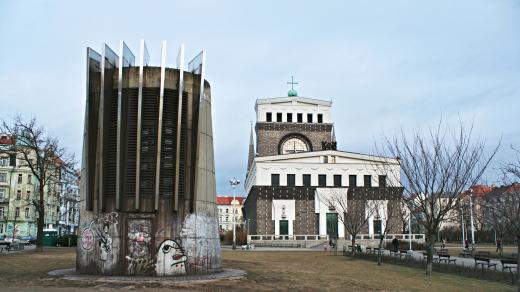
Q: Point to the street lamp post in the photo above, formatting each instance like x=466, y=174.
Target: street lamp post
x=462, y=221
x=410, y=229
x=234, y=183
x=471, y=216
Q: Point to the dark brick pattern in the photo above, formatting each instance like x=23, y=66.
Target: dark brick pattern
x=269, y=135
x=259, y=202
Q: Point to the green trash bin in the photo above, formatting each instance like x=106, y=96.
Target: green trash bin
x=50, y=237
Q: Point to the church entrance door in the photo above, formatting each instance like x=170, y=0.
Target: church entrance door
x=284, y=227
x=377, y=226
x=332, y=225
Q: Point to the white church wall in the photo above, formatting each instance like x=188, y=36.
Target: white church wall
x=251, y=179
x=323, y=195
x=381, y=206
x=294, y=106
x=265, y=169
x=283, y=210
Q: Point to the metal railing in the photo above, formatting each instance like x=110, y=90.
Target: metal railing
x=303, y=237
x=389, y=237
x=306, y=237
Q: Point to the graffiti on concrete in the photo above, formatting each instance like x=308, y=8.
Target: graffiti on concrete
x=87, y=239
x=105, y=242
x=201, y=241
x=171, y=260
x=200, y=262
x=99, y=228
x=140, y=261
x=140, y=266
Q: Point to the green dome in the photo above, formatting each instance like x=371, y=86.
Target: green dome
x=292, y=92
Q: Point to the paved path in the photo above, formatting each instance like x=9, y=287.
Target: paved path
x=239, y=248
x=25, y=248
x=72, y=275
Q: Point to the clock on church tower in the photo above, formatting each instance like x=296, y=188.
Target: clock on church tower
x=294, y=145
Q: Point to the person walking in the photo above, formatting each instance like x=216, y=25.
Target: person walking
x=395, y=243
x=499, y=247
x=466, y=244
x=443, y=243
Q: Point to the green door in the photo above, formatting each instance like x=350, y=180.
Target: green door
x=284, y=227
x=332, y=225
x=377, y=227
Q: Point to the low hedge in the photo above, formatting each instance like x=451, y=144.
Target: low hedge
x=405, y=245
x=68, y=240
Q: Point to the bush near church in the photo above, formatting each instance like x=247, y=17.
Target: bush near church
x=241, y=236
x=68, y=240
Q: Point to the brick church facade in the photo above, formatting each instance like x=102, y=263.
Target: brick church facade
x=295, y=164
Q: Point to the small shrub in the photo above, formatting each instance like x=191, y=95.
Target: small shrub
x=68, y=240
x=241, y=236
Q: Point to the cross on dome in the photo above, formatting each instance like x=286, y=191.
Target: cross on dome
x=292, y=92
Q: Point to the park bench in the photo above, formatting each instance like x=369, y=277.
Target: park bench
x=425, y=256
x=482, y=261
x=403, y=253
x=394, y=252
x=350, y=248
x=5, y=245
x=368, y=249
x=445, y=258
x=439, y=253
x=465, y=253
x=376, y=250
x=509, y=264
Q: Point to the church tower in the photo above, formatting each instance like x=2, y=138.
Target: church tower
x=292, y=124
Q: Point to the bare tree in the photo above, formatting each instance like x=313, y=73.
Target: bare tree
x=388, y=212
x=403, y=215
x=43, y=155
x=436, y=169
x=353, y=212
x=504, y=207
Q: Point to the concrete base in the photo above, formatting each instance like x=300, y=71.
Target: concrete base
x=73, y=275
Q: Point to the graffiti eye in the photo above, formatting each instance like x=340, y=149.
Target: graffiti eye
x=166, y=248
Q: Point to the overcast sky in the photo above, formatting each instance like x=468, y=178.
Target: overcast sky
x=386, y=65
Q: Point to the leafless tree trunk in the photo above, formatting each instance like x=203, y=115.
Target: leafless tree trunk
x=43, y=155
x=436, y=168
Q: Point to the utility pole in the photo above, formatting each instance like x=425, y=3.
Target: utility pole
x=234, y=183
